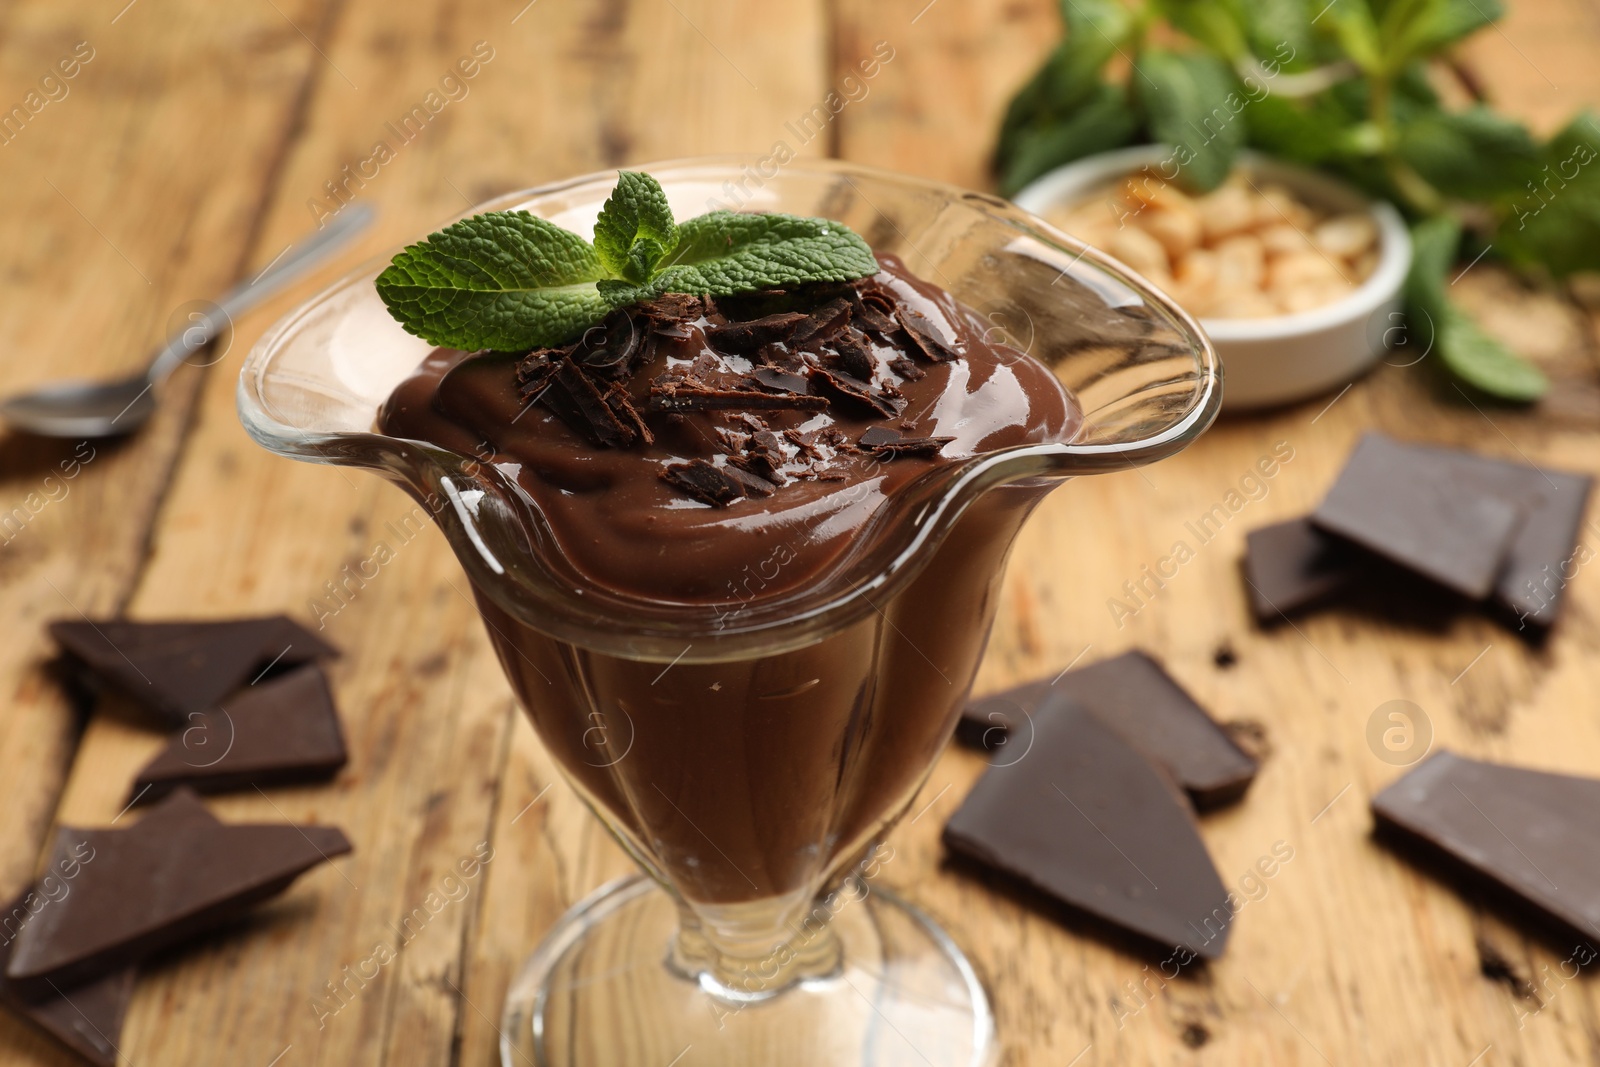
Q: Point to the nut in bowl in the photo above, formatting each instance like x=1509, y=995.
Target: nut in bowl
x=1295, y=276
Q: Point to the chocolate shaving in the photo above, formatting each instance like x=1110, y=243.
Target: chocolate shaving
x=585, y=409
x=845, y=388
x=704, y=482
x=875, y=311
x=855, y=358
x=621, y=405
x=907, y=369
x=690, y=398
x=925, y=337
x=821, y=325
x=748, y=473
x=754, y=334
x=882, y=441
x=781, y=380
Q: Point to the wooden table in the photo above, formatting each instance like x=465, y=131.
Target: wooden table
x=199, y=141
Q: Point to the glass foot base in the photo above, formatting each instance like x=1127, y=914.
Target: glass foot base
x=600, y=993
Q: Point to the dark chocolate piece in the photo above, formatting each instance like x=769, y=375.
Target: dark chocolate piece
x=754, y=334
x=176, y=668
x=176, y=873
x=86, y=1018
x=844, y=388
x=705, y=482
x=281, y=730
x=821, y=325
x=926, y=339
x=907, y=369
x=595, y=418
x=1414, y=508
x=886, y=442
x=1530, y=832
x=1140, y=701
x=1542, y=557
x=781, y=380
x=855, y=355
x=1290, y=566
x=1085, y=818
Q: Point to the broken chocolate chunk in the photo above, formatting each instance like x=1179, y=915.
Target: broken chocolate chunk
x=86, y=1018
x=849, y=390
x=854, y=355
x=1290, y=566
x=282, y=730
x=1414, y=508
x=925, y=336
x=1530, y=833
x=573, y=395
x=703, y=481
x=781, y=380
x=873, y=308
x=754, y=334
x=621, y=405
x=176, y=668
x=176, y=873
x=1084, y=818
x=1134, y=696
x=675, y=307
x=883, y=441
x=821, y=325
x=906, y=368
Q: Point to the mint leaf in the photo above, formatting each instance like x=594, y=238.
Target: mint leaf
x=1352, y=25
x=1473, y=154
x=505, y=280
x=724, y=252
x=1483, y=362
x=1192, y=103
x=635, y=228
x=1217, y=24
x=1103, y=122
x=1461, y=344
x=510, y=282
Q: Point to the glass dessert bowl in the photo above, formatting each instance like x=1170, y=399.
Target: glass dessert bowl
x=751, y=750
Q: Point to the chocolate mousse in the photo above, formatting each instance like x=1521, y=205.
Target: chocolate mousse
x=709, y=451
x=682, y=440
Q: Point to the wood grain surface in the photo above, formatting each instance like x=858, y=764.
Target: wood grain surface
x=200, y=141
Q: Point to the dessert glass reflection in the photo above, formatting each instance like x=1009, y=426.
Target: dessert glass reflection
x=751, y=747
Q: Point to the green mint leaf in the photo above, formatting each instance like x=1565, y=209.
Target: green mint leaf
x=505, y=280
x=1468, y=352
x=1433, y=25
x=1192, y=101
x=1280, y=31
x=1482, y=361
x=1553, y=222
x=1353, y=27
x=1471, y=155
x=725, y=252
x=635, y=228
x=1217, y=24
x=1105, y=121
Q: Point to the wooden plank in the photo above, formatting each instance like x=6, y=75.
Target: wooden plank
x=125, y=202
x=1346, y=954
x=432, y=730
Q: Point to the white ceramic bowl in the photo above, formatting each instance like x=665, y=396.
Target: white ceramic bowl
x=1284, y=358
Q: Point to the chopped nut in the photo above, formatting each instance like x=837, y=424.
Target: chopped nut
x=1139, y=250
x=1178, y=229
x=1346, y=235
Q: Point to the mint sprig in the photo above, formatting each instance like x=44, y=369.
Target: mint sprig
x=1344, y=87
x=509, y=281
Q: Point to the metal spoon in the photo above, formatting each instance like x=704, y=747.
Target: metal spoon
x=105, y=409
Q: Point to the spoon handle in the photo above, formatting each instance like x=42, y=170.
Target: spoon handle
x=300, y=258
